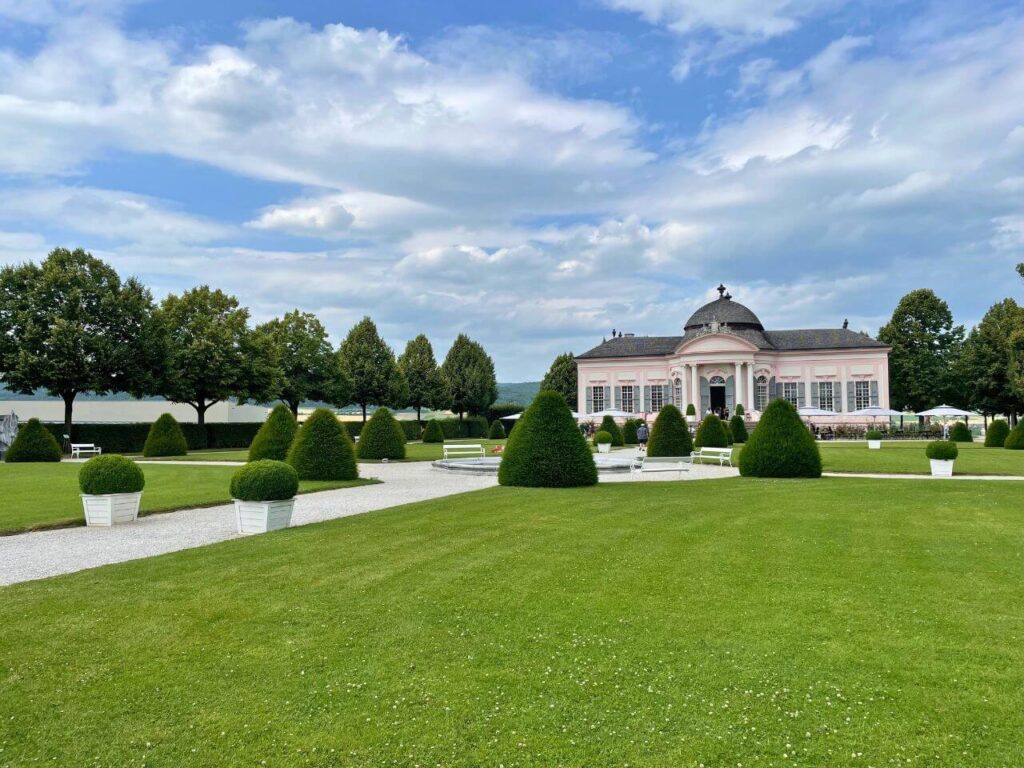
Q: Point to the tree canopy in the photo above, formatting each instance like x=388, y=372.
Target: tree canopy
x=370, y=366
x=419, y=367
x=468, y=371
x=562, y=378
x=984, y=366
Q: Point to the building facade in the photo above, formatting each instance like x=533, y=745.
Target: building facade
x=725, y=357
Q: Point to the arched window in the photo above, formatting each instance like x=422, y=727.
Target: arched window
x=679, y=393
x=761, y=393
x=717, y=381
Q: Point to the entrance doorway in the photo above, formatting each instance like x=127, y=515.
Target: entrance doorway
x=717, y=394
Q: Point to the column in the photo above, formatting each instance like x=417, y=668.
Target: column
x=695, y=389
x=737, y=387
x=749, y=407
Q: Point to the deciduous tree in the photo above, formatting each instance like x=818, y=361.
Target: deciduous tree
x=984, y=366
x=468, y=371
x=562, y=378
x=370, y=366
x=418, y=365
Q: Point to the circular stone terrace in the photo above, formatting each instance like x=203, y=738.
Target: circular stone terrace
x=488, y=465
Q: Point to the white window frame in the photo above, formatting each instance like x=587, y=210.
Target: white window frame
x=791, y=392
x=597, y=399
x=826, y=396
x=657, y=398
x=761, y=396
x=861, y=394
x=679, y=394
x=628, y=397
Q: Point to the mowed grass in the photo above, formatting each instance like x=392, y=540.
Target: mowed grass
x=904, y=457
x=837, y=622
x=47, y=495
x=413, y=452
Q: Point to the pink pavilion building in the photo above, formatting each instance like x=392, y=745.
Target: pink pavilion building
x=726, y=357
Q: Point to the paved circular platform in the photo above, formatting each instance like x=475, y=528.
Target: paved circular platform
x=488, y=465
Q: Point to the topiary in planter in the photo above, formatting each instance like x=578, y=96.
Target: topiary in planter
x=941, y=450
x=33, y=443
x=670, y=436
x=265, y=480
x=381, y=438
x=165, y=438
x=996, y=434
x=603, y=438
x=433, y=433
x=738, y=428
x=1015, y=440
x=547, y=449
x=322, y=449
x=608, y=425
x=781, y=446
x=275, y=435
x=690, y=410
x=873, y=434
x=629, y=431
x=496, y=431
x=711, y=433
x=961, y=433
x=103, y=475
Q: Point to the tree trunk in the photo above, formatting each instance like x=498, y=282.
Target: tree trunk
x=201, y=413
x=69, y=403
x=364, y=412
x=294, y=406
x=419, y=418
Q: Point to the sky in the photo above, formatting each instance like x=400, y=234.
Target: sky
x=532, y=174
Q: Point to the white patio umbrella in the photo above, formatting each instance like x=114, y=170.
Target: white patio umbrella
x=946, y=412
x=515, y=416
x=875, y=411
x=615, y=414
x=809, y=411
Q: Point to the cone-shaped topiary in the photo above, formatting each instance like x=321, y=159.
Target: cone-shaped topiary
x=547, y=449
x=961, y=433
x=781, y=446
x=711, y=433
x=670, y=436
x=265, y=480
x=165, y=438
x=608, y=425
x=275, y=436
x=629, y=432
x=739, y=411
x=433, y=433
x=496, y=431
x=1015, y=440
x=995, y=435
x=737, y=427
x=322, y=449
x=728, y=432
x=110, y=473
x=690, y=410
x=382, y=437
x=34, y=442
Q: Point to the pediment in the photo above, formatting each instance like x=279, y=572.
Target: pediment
x=715, y=342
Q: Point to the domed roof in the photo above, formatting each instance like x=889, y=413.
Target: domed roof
x=723, y=310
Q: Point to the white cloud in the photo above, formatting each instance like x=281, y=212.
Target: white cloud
x=761, y=18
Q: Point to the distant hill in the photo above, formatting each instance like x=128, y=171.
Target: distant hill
x=520, y=394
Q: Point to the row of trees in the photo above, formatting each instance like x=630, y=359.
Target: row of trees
x=70, y=325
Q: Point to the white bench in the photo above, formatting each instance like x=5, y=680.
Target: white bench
x=77, y=449
x=721, y=455
x=647, y=464
x=461, y=450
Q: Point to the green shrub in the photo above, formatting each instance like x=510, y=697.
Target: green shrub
x=131, y=437
x=942, y=450
x=738, y=427
x=629, y=431
x=608, y=425
x=110, y=473
x=1015, y=440
x=265, y=480
x=996, y=434
x=275, y=436
x=33, y=443
x=961, y=433
x=603, y=438
x=165, y=438
x=322, y=449
x=411, y=429
x=873, y=434
x=780, y=446
x=670, y=435
x=547, y=449
x=433, y=433
x=353, y=428
x=690, y=410
x=711, y=433
x=728, y=432
x=496, y=432
x=739, y=411
x=381, y=438
x=469, y=427
x=502, y=410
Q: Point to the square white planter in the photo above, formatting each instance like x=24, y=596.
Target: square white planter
x=604, y=447
x=263, y=516
x=941, y=468
x=111, y=508
x=874, y=445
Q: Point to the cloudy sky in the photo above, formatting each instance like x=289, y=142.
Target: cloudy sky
x=532, y=173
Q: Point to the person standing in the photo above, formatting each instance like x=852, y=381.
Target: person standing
x=641, y=435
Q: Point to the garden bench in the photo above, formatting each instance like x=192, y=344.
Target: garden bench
x=460, y=450
x=77, y=449
x=646, y=464
x=721, y=455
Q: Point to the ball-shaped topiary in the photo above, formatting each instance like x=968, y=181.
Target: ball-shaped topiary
x=711, y=433
x=603, y=438
x=738, y=427
x=34, y=442
x=670, y=435
x=941, y=450
x=547, y=449
x=1015, y=440
x=608, y=425
x=433, y=433
x=275, y=436
x=381, y=438
x=961, y=433
x=265, y=480
x=781, y=446
x=165, y=438
x=629, y=429
x=322, y=449
x=690, y=410
x=496, y=431
x=103, y=475
x=873, y=434
x=996, y=434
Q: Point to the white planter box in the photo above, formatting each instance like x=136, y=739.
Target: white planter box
x=941, y=468
x=874, y=445
x=263, y=516
x=111, y=508
x=604, y=447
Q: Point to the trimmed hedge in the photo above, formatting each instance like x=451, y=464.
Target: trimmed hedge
x=996, y=434
x=381, y=438
x=496, y=431
x=131, y=437
x=608, y=425
x=738, y=427
x=781, y=446
x=670, y=435
x=469, y=427
x=110, y=473
x=275, y=436
x=728, y=432
x=502, y=410
x=941, y=450
x=411, y=429
x=165, y=438
x=873, y=434
x=961, y=433
x=629, y=431
x=33, y=443
x=711, y=433
x=322, y=450
x=1015, y=440
x=433, y=432
x=602, y=438
x=265, y=480
x=547, y=449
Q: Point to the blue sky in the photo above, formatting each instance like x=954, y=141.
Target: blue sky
x=531, y=173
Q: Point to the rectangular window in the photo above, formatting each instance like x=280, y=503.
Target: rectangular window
x=791, y=392
x=761, y=399
x=825, y=400
x=861, y=394
x=598, y=398
x=657, y=398
x=627, y=399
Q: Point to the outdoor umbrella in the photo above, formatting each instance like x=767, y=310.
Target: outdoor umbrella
x=613, y=413
x=945, y=412
x=809, y=411
x=875, y=411
x=515, y=416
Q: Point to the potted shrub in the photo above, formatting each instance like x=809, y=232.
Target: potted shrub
x=111, y=488
x=942, y=453
x=874, y=439
x=603, y=441
x=264, y=494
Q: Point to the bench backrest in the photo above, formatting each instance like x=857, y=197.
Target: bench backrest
x=83, y=445
x=665, y=460
x=716, y=451
x=464, y=448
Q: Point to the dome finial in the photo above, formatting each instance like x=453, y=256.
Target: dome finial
x=721, y=290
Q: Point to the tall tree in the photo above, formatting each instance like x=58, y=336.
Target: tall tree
x=985, y=363
x=311, y=370
x=418, y=365
x=562, y=378
x=925, y=347
x=468, y=372
x=212, y=353
x=69, y=325
x=370, y=365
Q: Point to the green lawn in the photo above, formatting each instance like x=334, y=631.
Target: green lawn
x=902, y=457
x=838, y=622
x=47, y=495
x=413, y=452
